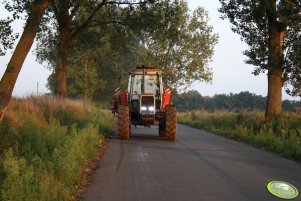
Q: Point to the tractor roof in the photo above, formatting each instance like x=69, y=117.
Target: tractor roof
x=147, y=71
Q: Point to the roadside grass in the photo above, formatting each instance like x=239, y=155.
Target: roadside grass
x=281, y=135
x=46, y=145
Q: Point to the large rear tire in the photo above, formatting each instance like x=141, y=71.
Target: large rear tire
x=171, y=122
x=123, y=122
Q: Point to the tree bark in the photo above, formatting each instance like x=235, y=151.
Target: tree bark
x=15, y=64
x=274, y=99
x=65, y=37
x=275, y=62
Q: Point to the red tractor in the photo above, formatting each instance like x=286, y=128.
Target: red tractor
x=146, y=102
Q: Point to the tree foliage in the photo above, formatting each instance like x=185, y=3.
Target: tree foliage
x=186, y=48
x=7, y=37
x=112, y=53
x=73, y=17
x=102, y=40
x=161, y=34
x=250, y=21
x=14, y=9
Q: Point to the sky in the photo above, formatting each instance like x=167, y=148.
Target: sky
x=230, y=73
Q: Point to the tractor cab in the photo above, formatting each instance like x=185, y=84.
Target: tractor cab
x=145, y=96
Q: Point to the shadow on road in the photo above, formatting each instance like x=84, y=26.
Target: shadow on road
x=139, y=133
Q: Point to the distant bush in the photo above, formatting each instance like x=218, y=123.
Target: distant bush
x=281, y=135
x=193, y=100
x=46, y=144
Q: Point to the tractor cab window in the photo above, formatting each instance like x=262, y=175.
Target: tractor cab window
x=137, y=79
x=150, y=84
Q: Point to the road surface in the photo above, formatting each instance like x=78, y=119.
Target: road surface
x=198, y=166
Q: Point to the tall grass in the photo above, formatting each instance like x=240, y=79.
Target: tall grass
x=281, y=135
x=46, y=144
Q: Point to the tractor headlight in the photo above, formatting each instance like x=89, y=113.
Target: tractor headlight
x=143, y=108
x=151, y=108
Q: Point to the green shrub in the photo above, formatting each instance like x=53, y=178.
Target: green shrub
x=47, y=143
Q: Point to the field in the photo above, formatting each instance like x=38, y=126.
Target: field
x=47, y=146
x=281, y=135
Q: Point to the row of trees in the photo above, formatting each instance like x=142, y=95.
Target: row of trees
x=100, y=58
x=78, y=33
x=193, y=100
x=98, y=40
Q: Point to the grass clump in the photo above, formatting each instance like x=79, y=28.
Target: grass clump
x=281, y=135
x=46, y=144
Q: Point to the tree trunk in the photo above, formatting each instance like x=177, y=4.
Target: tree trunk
x=63, y=49
x=274, y=99
x=275, y=62
x=14, y=66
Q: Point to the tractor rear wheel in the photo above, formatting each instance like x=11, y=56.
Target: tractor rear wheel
x=171, y=122
x=123, y=122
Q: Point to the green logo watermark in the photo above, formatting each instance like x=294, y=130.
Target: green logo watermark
x=282, y=190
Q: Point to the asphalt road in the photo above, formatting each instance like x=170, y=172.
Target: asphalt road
x=198, y=166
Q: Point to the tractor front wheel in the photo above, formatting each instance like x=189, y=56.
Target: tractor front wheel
x=171, y=122
x=123, y=122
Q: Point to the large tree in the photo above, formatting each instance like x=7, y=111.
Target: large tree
x=35, y=11
x=183, y=47
x=111, y=43
x=95, y=65
x=71, y=17
x=272, y=30
x=63, y=14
